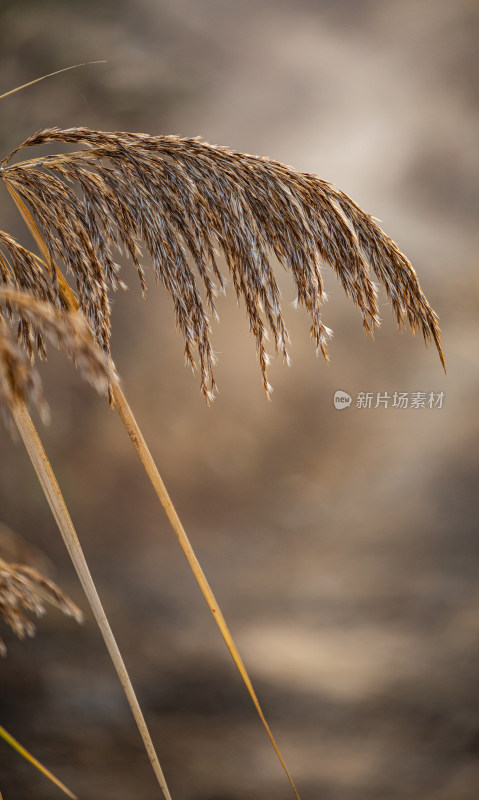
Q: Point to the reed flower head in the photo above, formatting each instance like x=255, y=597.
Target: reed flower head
x=24, y=589
x=183, y=199
x=39, y=321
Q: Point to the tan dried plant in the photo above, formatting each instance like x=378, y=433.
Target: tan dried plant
x=40, y=321
x=182, y=199
x=25, y=589
x=185, y=202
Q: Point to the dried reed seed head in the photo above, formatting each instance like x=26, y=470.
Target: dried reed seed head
x=181, y=199
x=24, y=589
x=21, y=268
x=19, y=381
x=68, y=330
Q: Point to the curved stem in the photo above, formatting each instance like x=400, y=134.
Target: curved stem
x=50, y=75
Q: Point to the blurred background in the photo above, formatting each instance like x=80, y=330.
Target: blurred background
x=342, y=545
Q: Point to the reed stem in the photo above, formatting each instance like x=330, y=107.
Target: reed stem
x=9, y=739
x=58, y=507
x=139, y=443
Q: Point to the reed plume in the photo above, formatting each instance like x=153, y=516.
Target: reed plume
x=19, y=380
x=40, y=321
x=24, y=589
x=182, y=199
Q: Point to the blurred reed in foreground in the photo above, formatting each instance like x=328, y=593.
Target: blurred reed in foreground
x=23, y=588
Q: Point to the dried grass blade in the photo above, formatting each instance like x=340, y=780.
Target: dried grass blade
x=9, y=739
x=50, y=75
x=58, y=507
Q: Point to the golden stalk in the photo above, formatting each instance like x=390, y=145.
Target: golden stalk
x=50, y=75
x=59, y=510
x=9, y=739
x=156, y=480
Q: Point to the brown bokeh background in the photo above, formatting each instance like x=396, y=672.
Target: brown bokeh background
x=342, y=545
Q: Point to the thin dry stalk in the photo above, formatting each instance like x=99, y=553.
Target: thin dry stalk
x=156, y=480
x=49, y=75
x=9, y=739
x=58, y=507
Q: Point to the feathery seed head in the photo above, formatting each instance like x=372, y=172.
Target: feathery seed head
x=68, y=330
x=24, y=589
x=181, y=199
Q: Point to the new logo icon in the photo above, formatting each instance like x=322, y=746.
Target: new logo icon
x=341, y=400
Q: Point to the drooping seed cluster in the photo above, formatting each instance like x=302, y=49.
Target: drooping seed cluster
x=24, y=589
x=182, y=200
x=68, y=330
x=19, y=380
x=19, y=267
